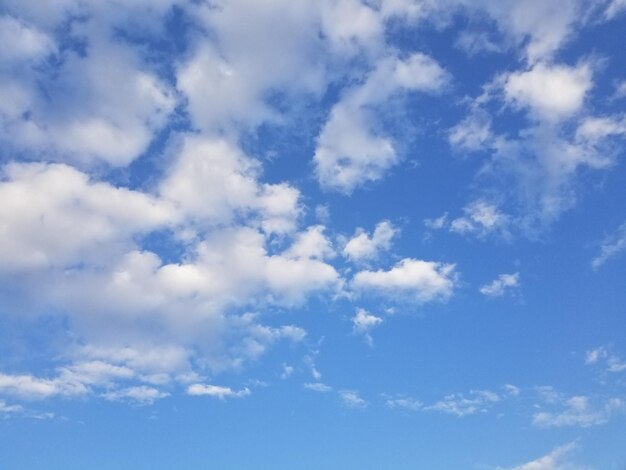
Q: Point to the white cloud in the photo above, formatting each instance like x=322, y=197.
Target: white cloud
x=410, y=279
x=363, y=322
x=8, y=409
x=352, y=399
x=478, y=401
x=318, y=387
x=143, y=395
x=22, y=42
x=476, y=42
x=55, y=215
x=612, y=362
x=212, y=182
x=104, y=105
x=557, y=459
x=579, y=411
x=312, y=244
x=226, y=81
x=551, y=92
x=612, y=246
x=216, y=391
x=405, y=403
x=27, y=386
x=499, y=286
x=615, y=8
x=593, y=356
x=349, y=151
x=481, y=218
x=539, y=27
x=365, y=247
x=472, y=133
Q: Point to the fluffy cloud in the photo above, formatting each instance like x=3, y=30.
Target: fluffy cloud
x=410, y=279
x=212, y=182
x=103, y=105
x=551, y=92
x=499, y=286
x=350, y=152
x=363, y=322
x=54, y=215
x=365, y=247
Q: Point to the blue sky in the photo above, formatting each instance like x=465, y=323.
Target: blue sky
x=300, y=234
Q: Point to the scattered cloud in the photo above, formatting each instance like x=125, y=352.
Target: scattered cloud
x=612, y=246
x=499, y=286
x=478, y=401
x=216, y=391
x=363, y=247
x=142, y=395
x=410, y=279
x=577, y=411
x=350, y=152
x=318, y=387
x=351, y=399
x=363, y=322
x=557, y=459
x=550, y=92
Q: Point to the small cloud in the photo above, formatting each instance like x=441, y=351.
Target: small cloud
x=352, y=399
x=363, y=247
x=410, y=279
x=612, y=246
x=363, y=322
x=555, y=460
x=404, y=402
x=579, y=411
x=499, y=286
x=142, y=395
x=216, y=391
x=287, y=371
x=318, y=387
x=612, y=362
x=478, y=401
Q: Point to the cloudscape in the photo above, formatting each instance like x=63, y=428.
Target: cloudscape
x=313, y=234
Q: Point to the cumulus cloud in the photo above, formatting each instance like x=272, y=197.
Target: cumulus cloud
x=350, y=152
x=499, y=286
x=410, y=279
x=362, y=246
x=101, y=106
x=66, y=216
x=551, y=92
x=212, y=182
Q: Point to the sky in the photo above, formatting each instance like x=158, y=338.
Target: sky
x=313, y=234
